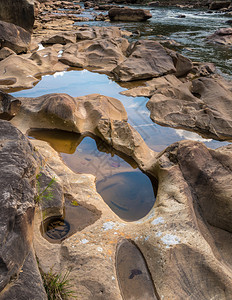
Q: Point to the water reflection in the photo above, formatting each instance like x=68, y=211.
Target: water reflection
x=80, y=83
x=124, y=188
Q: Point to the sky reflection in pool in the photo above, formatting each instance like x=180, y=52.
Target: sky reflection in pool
x=80, y=83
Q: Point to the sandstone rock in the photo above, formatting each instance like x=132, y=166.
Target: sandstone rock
x=222, y=36
x=20, y=12
x=18, y=169
x=215, y=5
x=193, y=107
x=175, y=235
x=5, y=52
x=23, y=71
x=89, y=33
x=9, y=106
x=146, y=59
x=14, y=37
x=101, y=55
x=129, y=14
x=59, y=38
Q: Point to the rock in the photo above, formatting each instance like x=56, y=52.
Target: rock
x=154, y=3
x=129, y=14
x=146, y=59
x=20, y=12
x=59, y=38
x=28, y=285
x=203, y=105
x=181, y=16
x=229, y=22
x=5, y=52
x=175, y=238
x=222, y=36
x=9, y=106
x=216, y=5
x=101, y=55
x=90, y=33
x=14, y=37
x=28, y=68
x=182, y=64
x=19, y=164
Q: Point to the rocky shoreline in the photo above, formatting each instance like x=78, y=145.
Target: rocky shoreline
x=185, y=241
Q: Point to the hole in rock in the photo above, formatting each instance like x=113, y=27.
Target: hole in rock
x=75, y=218
x=124, y=188
x=132, y=272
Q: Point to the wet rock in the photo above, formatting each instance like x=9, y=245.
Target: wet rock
x=20, y=12
x=19, y=164
x=193, y=106
x=129, y=14
x=146, y=59
x=216, y=5
x=222, y=36
x=14, y=37
x=9, y=106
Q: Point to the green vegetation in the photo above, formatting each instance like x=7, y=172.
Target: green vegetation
x=43, y=193
x=57, y=287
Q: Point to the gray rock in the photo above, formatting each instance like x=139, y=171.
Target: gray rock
x=18, y=164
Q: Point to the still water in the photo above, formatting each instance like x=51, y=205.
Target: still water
x=118, y=177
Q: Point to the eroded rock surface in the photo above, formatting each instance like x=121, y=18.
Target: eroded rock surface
x=14, y=37
x=19, y=165
x=148, y=59
x=9, y=106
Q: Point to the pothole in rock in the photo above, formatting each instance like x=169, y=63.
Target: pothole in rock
x=124, y=188
x=132, y=272
x=75, y=218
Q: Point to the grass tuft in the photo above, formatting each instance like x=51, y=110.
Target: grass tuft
x=57, y=287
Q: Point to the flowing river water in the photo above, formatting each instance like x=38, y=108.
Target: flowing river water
x=120, y=182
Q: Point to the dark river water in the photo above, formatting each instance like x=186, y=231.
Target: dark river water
x=117, y=180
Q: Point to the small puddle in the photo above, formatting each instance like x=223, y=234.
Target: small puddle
x=133, y=275
x=75, y=218
x=124, y=188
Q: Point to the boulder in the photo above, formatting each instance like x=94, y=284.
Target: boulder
x=146, y=59
x=129, y=14
x=90, y=33
x=101, y=55
x=9, y=106
x=5, y=52
x=59, y=38
x=203, y=105
x=19, y=163
x=222, y=36
x=18, y=12
x=216, y=5
x=14, y=37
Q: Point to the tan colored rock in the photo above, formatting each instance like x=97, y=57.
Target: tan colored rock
x=101, y=55
x=9, y=106
x=14, y=37
x=146, y=59
x=59, y=38
x=222, y=36
x=5, y=52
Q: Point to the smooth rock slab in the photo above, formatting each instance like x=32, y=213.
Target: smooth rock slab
x=133, y=276
x=222, y=36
